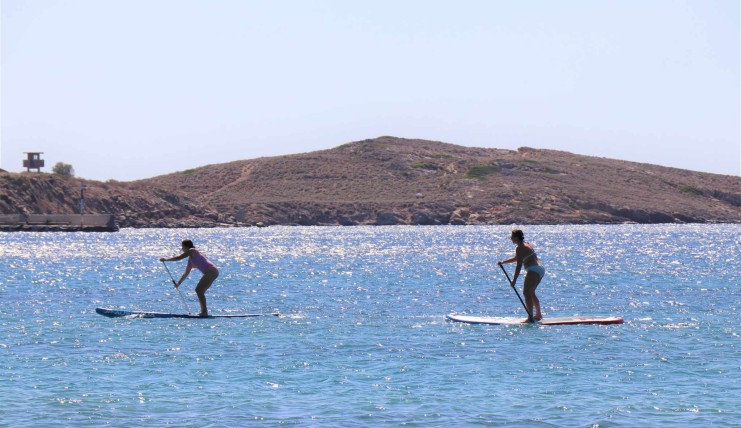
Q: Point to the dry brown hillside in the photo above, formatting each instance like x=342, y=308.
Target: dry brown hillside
x=391, y=180
x=399, y=181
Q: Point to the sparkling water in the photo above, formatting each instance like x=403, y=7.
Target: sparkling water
x=362, y=339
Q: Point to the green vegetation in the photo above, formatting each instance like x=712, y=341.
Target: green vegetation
x=426, y=165
x=189, y=171
x=481, y=171
x=63, y=169
x=690, y=190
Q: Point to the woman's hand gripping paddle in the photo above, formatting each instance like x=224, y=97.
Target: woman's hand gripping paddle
x=530, y=316
x=177, y=288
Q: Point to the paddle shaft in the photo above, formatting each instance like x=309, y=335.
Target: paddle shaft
x=176, y=287
x=512, y=284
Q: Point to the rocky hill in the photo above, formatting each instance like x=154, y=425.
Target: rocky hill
x=389, y=180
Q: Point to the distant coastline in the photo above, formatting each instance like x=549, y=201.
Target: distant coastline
x=386, y=181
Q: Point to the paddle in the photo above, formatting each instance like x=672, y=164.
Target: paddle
x=176, y=287
x=530, y=316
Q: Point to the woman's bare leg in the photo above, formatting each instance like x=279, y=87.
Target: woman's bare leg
x=204, y=284
x=532, y=280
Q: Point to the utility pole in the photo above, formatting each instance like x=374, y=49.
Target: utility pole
x=82, y=202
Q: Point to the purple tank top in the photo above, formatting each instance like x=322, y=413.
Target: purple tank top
x=199, y=262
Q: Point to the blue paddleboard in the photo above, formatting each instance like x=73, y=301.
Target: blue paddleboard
x=113, y=313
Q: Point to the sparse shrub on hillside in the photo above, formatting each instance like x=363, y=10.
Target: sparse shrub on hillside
x=481, y=171
x=691, y=190
x=63, y=169
x=426, y=165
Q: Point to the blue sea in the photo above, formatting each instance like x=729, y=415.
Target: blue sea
x=362, y=339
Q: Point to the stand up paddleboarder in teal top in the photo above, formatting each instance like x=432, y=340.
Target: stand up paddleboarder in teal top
x=525, y=256
x=195, y=259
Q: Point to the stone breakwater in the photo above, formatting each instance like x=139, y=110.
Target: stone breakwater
x=58, y=223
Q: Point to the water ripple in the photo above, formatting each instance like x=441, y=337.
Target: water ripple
x=362, y=338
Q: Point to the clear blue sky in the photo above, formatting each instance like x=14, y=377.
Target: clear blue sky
x=129, y=89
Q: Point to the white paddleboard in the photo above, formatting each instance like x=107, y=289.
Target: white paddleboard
x=545, y=321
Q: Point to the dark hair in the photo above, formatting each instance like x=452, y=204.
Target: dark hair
x=517, y=233
x=188, y=243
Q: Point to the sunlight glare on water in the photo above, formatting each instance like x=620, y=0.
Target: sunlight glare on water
x=362, y=339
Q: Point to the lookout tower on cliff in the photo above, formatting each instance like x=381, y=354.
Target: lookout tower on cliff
x=33, y=161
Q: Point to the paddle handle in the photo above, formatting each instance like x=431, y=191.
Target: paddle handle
x=511, y=284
